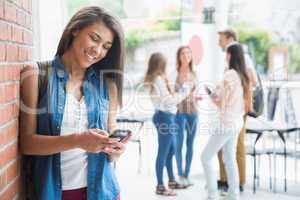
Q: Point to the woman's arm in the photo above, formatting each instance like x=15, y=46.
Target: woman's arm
x=113, y=106
x=119, y=147
x=165, y=96
x=34, y=144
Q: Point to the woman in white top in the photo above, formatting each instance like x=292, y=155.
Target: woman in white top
x=165, y=102
x=233, y=97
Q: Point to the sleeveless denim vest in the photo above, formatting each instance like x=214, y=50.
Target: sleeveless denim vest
x=101, y=181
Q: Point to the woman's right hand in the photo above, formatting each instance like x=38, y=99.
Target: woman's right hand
x=94, y=140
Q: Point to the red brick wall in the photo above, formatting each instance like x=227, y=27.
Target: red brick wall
x=15, y=51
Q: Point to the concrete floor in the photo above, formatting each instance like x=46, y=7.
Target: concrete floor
x=141, y=185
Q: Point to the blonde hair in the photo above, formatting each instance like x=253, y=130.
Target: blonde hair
x=156, y=66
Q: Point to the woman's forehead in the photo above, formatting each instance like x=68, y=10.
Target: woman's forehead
x=101, y=29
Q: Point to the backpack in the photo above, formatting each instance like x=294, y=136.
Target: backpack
x=44, y=72
x=258, y=100
x=27, y=165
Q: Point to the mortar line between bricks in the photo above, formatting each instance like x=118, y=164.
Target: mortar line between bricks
x=8, y=185
x=9, y=82
x=2, y=148
x=17, y=63
x=8, y=124
x=20, y=7
x=7, y=165
x=18, y=43
x=9, y=103
x=15, y=24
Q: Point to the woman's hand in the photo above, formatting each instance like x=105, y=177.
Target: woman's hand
x=117, y=149
x=95, y=140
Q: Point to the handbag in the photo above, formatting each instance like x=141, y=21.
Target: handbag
x=258, y=99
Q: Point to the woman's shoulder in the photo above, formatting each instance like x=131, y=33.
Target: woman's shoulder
x=231, y=73
x=231, y=76
x=29, y=67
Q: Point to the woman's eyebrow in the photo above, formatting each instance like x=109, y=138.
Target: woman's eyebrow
x=99, y=37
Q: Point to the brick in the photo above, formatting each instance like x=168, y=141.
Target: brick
x=9, y=174
x=2, y=52
x=22, y=55
x=29, y=6
x=9, y=32
x=11, y=52
x=3, y=32
x=10, y=72
x=9, y=133
x=1, y=9
x=29, y=54
x=8, y=113
x=11, y=192
x=17, y=34
x=10, y=12
x=27, y=37
x=8, y=92
x=28, y=22
x=21, y=17
x=8, y=154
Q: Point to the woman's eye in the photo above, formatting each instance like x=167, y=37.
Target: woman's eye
x=107, y=47
x=94, y=38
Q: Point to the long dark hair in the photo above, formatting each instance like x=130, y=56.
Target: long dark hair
x=114, y=60
x=156, y=66
x=178, y=61
x=237, y=63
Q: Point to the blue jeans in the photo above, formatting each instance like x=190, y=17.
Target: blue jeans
x=186, y=122
x=166, y=129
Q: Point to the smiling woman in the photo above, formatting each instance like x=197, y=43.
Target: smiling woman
x=69, y=144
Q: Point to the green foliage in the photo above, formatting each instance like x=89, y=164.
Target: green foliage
x=294, y=58
x=115, y=6
x=259, y=43
x=134, y=38
x=167, y=25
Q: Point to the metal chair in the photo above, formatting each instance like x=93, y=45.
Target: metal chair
x=254, y=152
x=137, y=136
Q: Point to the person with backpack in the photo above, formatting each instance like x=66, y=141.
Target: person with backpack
x=227, y=38
x=233, y=97
x=65, y=128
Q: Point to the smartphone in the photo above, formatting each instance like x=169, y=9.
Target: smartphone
x=121, y=134
x=208, y=90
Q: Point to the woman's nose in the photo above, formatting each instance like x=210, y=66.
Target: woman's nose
x=97, y=50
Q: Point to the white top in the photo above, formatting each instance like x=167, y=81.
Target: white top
x=74, y=162
x=230, y=93
x=162, y=99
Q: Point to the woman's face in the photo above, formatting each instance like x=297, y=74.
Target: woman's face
x=91, y=44
x=185, y=56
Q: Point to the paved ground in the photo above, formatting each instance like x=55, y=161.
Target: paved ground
x=142, y=185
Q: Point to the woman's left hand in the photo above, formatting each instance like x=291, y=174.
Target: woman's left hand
x=117, y=149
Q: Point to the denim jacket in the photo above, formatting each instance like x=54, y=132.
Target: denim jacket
x=101, y=180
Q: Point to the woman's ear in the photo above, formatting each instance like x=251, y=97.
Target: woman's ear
x=75, y=33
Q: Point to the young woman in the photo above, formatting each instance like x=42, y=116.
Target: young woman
x=233, y=97
x=164, y=101
x=187, y=116
x=69, y=143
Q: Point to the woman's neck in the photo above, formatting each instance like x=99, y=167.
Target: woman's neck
x=184, y=69
x=71, y=66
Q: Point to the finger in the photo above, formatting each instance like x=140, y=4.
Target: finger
x=113, y=140
x=115, y=145
x=99, y=131
x=110, y=150
x=126, y=139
